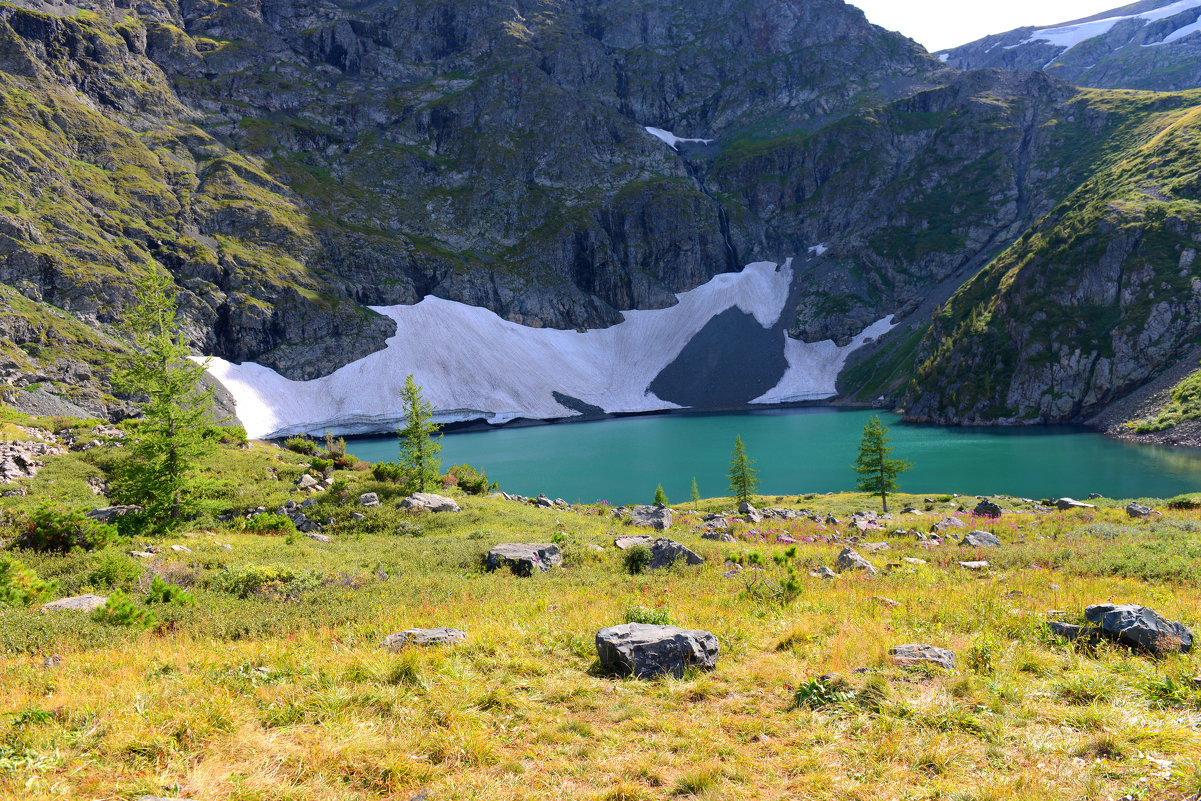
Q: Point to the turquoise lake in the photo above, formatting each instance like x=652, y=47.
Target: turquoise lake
x=800, y=451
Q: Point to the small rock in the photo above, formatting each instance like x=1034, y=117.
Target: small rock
x=369, y=499
x=913, y=560
x=225, y=546
x=665, y=553
x=1064, y=504
x=1138, y=511
x=1071, y=632
x=890, y=603
x=424, y=637
x=824, y=572
x=141, y=554
x=946, y=523
x=987, y=508
x=849, y=559
x=312, y=535
x=524, y=559
x=981, y=539
x=874, y=547
x=111, y=513
x=77, y=603
x=430, y=502
x=51, y=662
x=181, y=549
x=647, y=652
x=625, y=543
x=656, y=517
x=306, y=482
x=980, y=565
x=1095, y=496
x=923, y=654
x=719, y=536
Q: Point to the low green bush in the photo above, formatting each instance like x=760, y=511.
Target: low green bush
x=20, y=586
x=471, y=480
x=113, y=569
x=653, y=617
x=119, y=610
x=637, y=559
x=257, y=580
x=162, y=592
x=51, y=530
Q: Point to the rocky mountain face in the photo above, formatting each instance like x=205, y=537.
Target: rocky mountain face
x=294, y=163
x=1153, y=44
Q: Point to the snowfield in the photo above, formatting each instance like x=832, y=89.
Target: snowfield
x=1068, y=36
x=475, y=365
x=671, y=140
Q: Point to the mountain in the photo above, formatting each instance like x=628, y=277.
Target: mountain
x=548, y=209
x=1153, y=44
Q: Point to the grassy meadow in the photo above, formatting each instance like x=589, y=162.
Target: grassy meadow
x=271, y=683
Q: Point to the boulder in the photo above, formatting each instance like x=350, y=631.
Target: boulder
x=647, y=652
x=923, y=654
x=424, y=637
x=369, y=499
x=77, y=603
x=874, y=547
x=978, y=565
x=181, y=549
x=110, y=513
x=625, y=543
x=543, y=502
x=824, y=572
x=312, y=535
x=1071, y=632
x=745, y=508
x=1064, y=504
x=719, y=536
x=306, y=482
x=849, y=559
x=1140, y=627
x=665, y=553
x=946, y=523
x=981, y=539
x=987, y=508
x=430, y=502
x=525, y=559
x=656, y=517
x=1138, y=511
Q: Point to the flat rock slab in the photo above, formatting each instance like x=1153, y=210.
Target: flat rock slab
x=647, y=652
x=424, y=637
x=656, y=517
x=430, y=502
x=979, y=565
x=923, y=654
x=525, y=559
x=77, y=603
x=665, y=553
x=1140, y=627
x=850, y=559
x=981, y=539
x=1064, y=504
x=625, y=543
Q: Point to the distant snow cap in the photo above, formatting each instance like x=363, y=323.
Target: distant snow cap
x=1068, y=36
x=671, y=140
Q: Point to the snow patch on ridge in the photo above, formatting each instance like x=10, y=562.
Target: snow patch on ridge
x=1068, y=36
x=475, y=365
x=813, y=368
x=671, y=140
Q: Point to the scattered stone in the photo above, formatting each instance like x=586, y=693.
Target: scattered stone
x=1072, y=632
x=849, y=559
x=22, y=459
x=181, y=549
x=987, y=508
x=981, y=539
x=430, y=502
x=874, y=547
x=890, y=603
x=625, y=543
x=225, y=546
x=77, y=603
x=1138, y=511
x=312, y=535
x=656, y=517
x=719, y=536
x=141, y=554
x=946, y=523
x=592, y=546
x=1095, y=496
x=524, y=559
x=424, y=637
x=647, y=652
x=369, y=499
x=824, y=572
x=923, y=654
x=357, y=516
x=1064, y=504
x=665, y=553
x=913, y=560
x=979, y=565
x=543, y=502
x=306, y=482
x=1140, y=627
x=111, y=513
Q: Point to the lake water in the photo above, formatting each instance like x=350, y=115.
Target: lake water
x=801, y=451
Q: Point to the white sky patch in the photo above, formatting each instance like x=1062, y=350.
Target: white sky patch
x=813, y=368
x=670, y=139
x=473, y=364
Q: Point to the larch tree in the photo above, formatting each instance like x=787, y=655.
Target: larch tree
x=743, y=476
x=420, y=439
x=877, y=473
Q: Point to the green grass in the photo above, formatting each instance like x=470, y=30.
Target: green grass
x=274, y=683
x=1184, y=405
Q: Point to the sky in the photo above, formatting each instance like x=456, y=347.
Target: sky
x=939, y=24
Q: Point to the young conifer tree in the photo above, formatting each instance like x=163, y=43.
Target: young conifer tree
x=877, y=473
x=743, y=476
x=420, y=439
x=660, y=496
x=695, y=494
x=159, y=472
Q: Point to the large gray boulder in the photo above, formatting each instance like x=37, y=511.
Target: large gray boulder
x=981, y=539
x=77, y=603
x=987, y=508
x=525, y=559
x=719, y=536
x=850, y=559
x=923, y=654
x=369, y=499
x=1138, y=511
x=424, y=637
x=625, y=543
x=656, y=517
x=1140, y=627
x=665, y=553
x=646, y=652
x=430, y=502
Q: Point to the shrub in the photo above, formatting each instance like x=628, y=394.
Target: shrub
x=302, y=445
x=163, y=593
x=113, y=570
x=20, y=586
x=388, y=471
x=637, y=559
x=50, y=530
x=471, y=480
x=119, y=610
x=818, y=693
x=270, y=523
x=660, y=496
x=642, y=614
x=273, y=582
x=407, y=528
x=321, y=465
